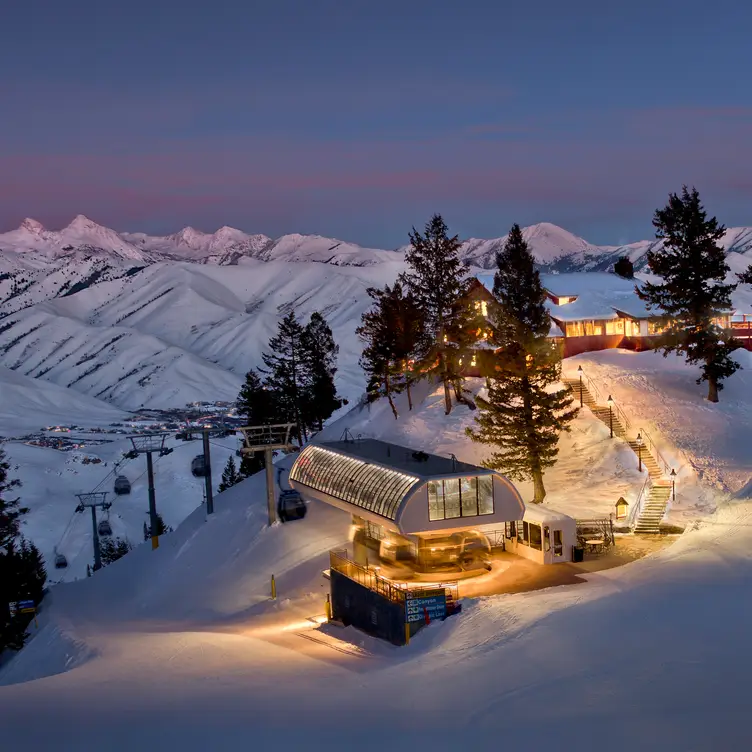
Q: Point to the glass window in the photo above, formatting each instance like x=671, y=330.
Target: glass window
x=485, y=494
x=558, y=544
x=575, y=329
x=523, y=533
x=452, y=507
x=435, y=500
x=535, y=539
x=510, y=530
x=469, y=494
x=615, y=327
x=546, y=539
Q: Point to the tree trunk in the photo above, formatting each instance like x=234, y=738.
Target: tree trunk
x=409, y=394
x=388, y=390
x=712, y=389
x=539, y=492
x=460, y=395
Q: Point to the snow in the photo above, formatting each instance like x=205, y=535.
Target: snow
x=184, y=645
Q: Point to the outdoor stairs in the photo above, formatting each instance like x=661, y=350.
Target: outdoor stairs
x=659, y=489
x=654, y=508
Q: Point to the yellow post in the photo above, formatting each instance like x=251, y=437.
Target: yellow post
x=154, y=542
x=274, y=589
x=328, y=608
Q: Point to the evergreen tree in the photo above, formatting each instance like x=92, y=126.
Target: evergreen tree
x=22, y=570
x=230, y=475
x=256, y=406
x=112, y=549
x=377, y=359
x=320, y=364
x=624, y=267
x=520, y=415
x=693, y=292
x=436, y=281
x=162, y=528
x=11, y=510
x=285, y=374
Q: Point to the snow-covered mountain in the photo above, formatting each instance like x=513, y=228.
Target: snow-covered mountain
x=157, y=321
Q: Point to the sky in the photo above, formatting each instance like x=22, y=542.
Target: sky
x=358, y=119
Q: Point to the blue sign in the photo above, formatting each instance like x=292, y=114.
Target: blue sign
x=416, y=608
x=26, y=607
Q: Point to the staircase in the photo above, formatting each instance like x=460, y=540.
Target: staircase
x=653, y=508
x=659, y=489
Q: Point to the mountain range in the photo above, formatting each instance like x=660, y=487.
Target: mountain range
x=136, y=320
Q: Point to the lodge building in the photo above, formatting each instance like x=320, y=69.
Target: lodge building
x=598, y=311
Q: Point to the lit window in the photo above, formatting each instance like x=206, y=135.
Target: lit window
x=473, y=362
x=460, y=497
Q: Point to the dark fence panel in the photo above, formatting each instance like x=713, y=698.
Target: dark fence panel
x=353, y=603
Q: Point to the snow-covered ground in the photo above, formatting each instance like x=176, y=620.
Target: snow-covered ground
x=185, y=648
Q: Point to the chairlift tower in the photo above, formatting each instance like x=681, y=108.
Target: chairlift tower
x=266, y=439
x=94, y=500
x=148, y=444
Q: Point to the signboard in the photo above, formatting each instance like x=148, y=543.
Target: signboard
x=13, y=608
x=415, y=608
x=27, y=607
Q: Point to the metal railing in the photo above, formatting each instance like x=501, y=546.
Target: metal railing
x=653, y=449
x=634, y=515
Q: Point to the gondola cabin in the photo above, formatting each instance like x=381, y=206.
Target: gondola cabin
x=198, y=466
x=104, y=528
x=122, y=485
x=60, y=561
x=290, y=506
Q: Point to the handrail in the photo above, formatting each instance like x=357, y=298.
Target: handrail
x=592, y=388
x=634, y=515
x=653, y=449
x=621, y=414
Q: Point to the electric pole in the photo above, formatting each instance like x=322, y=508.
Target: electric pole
x=207, y=471
x=94, y=500
x=147, y=444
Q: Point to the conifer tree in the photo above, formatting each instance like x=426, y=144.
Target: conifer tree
x=693, y=292
x=230, y=475
x=521, y=416
x=624, y=267
x=162, y=528
x=285, y=373
x=436, y=281
x=112, y=549
x=11, y=510
x=320, y=365
x=377, y=359
x=256, y=406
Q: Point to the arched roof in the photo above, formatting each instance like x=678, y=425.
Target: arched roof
x=364, y=484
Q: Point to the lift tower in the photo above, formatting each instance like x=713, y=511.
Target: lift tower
x=94, y=500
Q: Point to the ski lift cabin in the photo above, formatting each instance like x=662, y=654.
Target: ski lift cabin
x=122, y=485
x=104, y=528
x=60, y=561
x=198, y=466
x=290, y=504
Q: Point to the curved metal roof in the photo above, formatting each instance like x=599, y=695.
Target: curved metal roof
x=364, y=484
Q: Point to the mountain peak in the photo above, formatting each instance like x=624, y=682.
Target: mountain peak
x=32, y=225
x=81, y=222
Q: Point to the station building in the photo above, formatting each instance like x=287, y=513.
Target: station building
x=426, y=511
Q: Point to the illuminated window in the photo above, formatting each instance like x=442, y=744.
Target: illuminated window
x=460, y=497
x=615, y=327
x=473, y=362
x=656, y=327
x=558, y=543
x=535, y=536
x=482, y=306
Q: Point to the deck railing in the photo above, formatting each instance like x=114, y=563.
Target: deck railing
x=653, y=449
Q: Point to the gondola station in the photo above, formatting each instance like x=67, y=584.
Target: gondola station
x=418, y=518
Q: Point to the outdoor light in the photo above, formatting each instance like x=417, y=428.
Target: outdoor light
x=673, y=484
x=639, y=451
x=611, y=415
x=579, y=372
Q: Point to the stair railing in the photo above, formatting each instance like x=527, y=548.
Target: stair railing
x=653, y=449
x=591, y=387
x=634, y=515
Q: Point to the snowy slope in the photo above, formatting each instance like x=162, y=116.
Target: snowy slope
x=187, y=641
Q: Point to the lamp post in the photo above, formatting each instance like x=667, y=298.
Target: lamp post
x=639, y=451
x=579, y=372
x=610, y=415
x=673, y=485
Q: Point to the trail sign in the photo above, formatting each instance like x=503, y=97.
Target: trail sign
x=27, y=607
x=13, y=608
x=417, y=608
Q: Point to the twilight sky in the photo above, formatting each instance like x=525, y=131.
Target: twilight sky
x=358, y=119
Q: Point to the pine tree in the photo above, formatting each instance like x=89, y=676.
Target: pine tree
x=255, y=404
x=11, y=510
x=230, y=475
x=520, y=415
x=436, y=281
x=114, y=549
x=377, y=359
x=319, y=352
x=162, y=528
x=693, y=293
x=22, y=570
x=624, y=267
x=285, y=373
